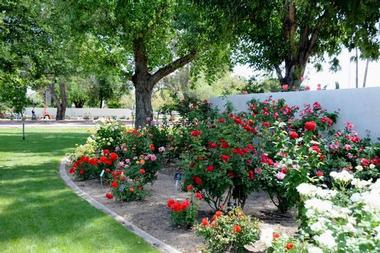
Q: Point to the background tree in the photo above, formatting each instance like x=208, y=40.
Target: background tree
x=283, y=36
x=156, y=36
x=22, y=40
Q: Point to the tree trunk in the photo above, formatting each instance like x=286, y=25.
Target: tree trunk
x=356, y=68
x=365, y=73
x=143, y=98
x=293, y=74
x=61, y=102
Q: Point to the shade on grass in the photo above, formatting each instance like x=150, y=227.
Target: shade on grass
x=38, y=213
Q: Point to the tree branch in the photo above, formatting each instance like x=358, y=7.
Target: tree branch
x=278, y=72
x=171, y=67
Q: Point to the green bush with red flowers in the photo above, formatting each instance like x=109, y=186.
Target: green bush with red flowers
x=218, y=161
x=182, y=212
x=131, y=162
x=228, y=232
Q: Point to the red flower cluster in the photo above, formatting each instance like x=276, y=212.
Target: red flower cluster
x=310, y=126
x=327, y=121
x=80, y=161
x=178, y=206
x=195, y=133
x=293, y=135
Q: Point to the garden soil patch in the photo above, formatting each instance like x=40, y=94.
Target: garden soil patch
x=152, y=215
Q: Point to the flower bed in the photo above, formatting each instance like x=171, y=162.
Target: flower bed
x=292, y=154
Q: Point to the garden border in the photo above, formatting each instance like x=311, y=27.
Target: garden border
x=155, y=242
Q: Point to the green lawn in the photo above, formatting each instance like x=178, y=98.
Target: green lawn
x=38, y=213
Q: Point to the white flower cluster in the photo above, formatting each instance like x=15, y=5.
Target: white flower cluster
x=344, y=221
x=344, y=176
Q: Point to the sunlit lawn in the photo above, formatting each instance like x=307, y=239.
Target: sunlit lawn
x=38, y=213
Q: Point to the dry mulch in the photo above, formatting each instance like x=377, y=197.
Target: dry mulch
x=152, y=215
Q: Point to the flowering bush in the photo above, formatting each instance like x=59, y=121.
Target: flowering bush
x=131, y=162
x=289, y=149
x=182, y=213
x=229, y=232
x=342, y=220
x=218, y=162
x=339, y=219
x=109, y=134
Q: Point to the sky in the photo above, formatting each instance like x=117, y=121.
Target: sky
x=345, y=77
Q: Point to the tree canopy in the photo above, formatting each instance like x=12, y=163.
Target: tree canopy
x=283, y=36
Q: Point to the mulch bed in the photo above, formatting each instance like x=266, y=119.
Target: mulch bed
x=152, y=215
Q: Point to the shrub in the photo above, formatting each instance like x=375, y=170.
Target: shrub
x=229, y=232
x=109, y=134
x=182, y=213
x=218, y=162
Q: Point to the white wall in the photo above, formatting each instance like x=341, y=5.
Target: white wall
x=359, y=106
x=81, y=112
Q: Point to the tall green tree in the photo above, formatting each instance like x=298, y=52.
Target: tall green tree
x=156, y=36
x=283, y=36
x=21, y=40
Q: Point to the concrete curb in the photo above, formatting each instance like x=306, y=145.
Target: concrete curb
x=163, y=247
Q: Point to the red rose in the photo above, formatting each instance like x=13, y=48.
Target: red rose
x=364, y=162
x=310, y=126
x=106, y=152
x=198, y=195
x=81, y=172
x=205, y=222
x=131, y=189
x=251, y=175
x=189, y=188
x=210, y=168
x=142, y=171
x=289, y=246
x=224, y=144
x=276, y=236
x=221, y=120
x=237, y=229
x=212, y=145
x=293, y=135
x=170, y=203
x=113, y=156
x=195, y=133
x=327, y=120
x=114, y=184
x=316, y=148
x=251, y=147
x=224, y=158
x=319, y=173
x=285, y=87
x=265, y=124
x=72, y=170
x=284, y=170
x=218, y=213
x=197, y=180
x=109, y=195
x=152, y=147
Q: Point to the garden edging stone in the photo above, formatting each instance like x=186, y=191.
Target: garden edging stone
x=163, y=247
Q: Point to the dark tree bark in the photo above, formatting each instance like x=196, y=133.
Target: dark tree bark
x=300, y=49
x=61, y=102
x=144, y=81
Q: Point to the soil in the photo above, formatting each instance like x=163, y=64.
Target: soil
x=152, y=216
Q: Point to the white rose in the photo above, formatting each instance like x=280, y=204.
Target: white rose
x=326, y=239
x=307, y=189
x=313, y=249
x=359, y=168
x=372, y=166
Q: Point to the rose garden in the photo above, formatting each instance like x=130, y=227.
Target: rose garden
x=327, y=177
x=190, y=126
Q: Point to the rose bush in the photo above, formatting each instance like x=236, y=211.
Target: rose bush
x=228, y=232
x=218, y=162
x=343, y=219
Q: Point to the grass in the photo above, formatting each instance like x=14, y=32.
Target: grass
x=38, y=213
